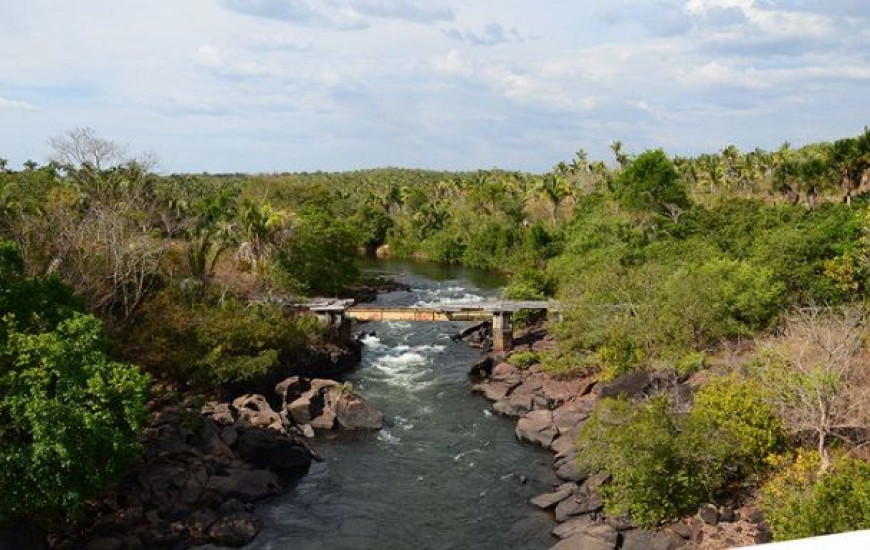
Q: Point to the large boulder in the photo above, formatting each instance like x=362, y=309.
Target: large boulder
x=244, y=484
x=549, y=500
x=256, y=411
x=317, y=405
x=537, y=427
x=274, y=451
x=353, y=412
x=633, y=384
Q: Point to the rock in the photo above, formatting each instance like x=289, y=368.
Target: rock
x=637, y=539
x=291, y=389
x=620, y=523
x=274, y=451
x=573, y=526
x=709, y=514
x=597, y=537
x=505, y=372
x=763, y=534
x=234, y=531
x=548, y=500
x=482, y=368
x=495, y=390
x=244, y=485
x=105, y=543
x=682, y=529
x=751, y=514
x=307, y=430
x=727, y=514
x=567, y=420
x=255, y=410
x=317, y=406
x=507, y=408
x=633, y=384
x=567, y=469
x=353, y=412
x=578, y=503
x=537, y=427
x=641, y=539
x=229, y=436
x=563, y=445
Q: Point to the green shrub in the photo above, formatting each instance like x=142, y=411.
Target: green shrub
x=690, y=363
x=562, y=364
x=658, y=471
x=698, y=305
x=69, y=418
x=737, y=411
x=799, y=502
x=523, y=359
x=319, y=258
x=213, y=343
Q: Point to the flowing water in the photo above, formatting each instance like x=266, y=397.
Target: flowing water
x=443, y=473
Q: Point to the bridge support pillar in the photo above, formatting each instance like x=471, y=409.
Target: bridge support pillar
x=502, y=331
x=336, y=322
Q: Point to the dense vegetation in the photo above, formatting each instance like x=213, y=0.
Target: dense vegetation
x=663, y=263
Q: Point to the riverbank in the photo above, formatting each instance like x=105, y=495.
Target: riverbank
x=205, y=464
x=552, y=410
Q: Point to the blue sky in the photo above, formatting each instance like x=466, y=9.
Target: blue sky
x=292, y=85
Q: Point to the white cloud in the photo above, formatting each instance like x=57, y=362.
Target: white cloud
x=15, y=104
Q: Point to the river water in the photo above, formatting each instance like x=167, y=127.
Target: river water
x=444, y=472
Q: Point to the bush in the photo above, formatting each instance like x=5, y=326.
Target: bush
x=798, y=502
x=214, y=343
x=698, y=305
x=319, y=258
x=69, y=418
x=657, y=471
x=562, y=364
x=523, y=359
x=690, y=363
x=736, y=409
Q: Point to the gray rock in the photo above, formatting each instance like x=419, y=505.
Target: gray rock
x=537, y=427
x=573, y=526
x=641, y=539
x=355, y=413
x=578, y=503
x=567, y=469
x=588, y=540
x=234, y=531
x=495, y=391
x=548, y=500
x=682, y=529
x=505, y=407
x=727, y=514
x=244, y=485
x=633, y=384
x=709, y=514
x=277, y=452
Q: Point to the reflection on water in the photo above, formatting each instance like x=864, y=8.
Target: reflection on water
x=443, y=473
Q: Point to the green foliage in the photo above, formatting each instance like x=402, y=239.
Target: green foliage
x=665, y=464
x=213, y=343
x=659, y=472
x=370, y=224
x=319, y=258
x=523, y=359
x=38, y=303
x=737, y=410
x=561, y=364
x=651, y=183
x=69, y=417
x=799, y=502
x=690, y=363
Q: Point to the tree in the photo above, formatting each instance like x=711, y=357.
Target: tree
x=818, y=376
x=82, y=147
x=651, y=183
x=319, y=257
x=69, y=417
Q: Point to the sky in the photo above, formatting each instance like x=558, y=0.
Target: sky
x=305, y=85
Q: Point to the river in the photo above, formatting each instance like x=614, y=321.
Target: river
x=444, y=472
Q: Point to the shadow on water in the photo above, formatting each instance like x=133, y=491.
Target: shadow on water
x=443, y=473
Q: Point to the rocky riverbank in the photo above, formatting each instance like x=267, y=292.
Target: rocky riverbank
x=551, y=411
x=204, y=465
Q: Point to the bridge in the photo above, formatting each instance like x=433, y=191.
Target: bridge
x=337, y=313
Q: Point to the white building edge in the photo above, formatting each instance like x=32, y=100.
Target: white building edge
x=855, y=540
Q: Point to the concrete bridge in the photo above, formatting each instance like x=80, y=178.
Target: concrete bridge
x=337, y=313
